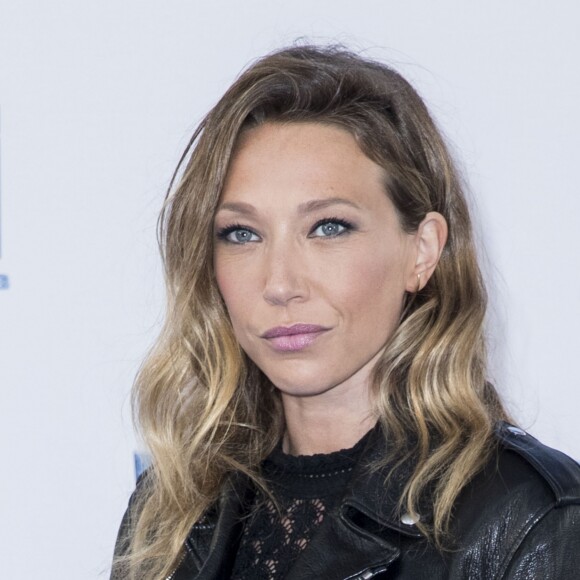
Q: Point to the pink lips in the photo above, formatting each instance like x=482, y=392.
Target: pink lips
x=293, y=338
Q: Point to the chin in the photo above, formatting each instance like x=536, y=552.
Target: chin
x=304, y=386
x=302, y=390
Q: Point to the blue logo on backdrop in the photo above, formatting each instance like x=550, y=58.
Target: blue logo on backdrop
x=4, y=282
x=142, y=462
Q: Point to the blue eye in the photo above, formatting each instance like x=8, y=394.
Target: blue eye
x=237, y=235
x=331, y=228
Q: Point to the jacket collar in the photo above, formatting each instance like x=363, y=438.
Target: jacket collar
x=373, y=495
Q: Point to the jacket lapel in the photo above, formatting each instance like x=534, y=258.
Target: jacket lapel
x=215, y=562
x=339, y=551
x=361, y=536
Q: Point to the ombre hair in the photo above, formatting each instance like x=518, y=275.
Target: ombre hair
x=207, y=412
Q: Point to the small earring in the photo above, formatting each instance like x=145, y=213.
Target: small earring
x=418, y=284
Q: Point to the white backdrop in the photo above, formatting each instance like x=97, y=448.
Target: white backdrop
x=97, y=100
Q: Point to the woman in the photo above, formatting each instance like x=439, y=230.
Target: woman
x=317, y=404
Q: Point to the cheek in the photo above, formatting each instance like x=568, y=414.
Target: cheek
x=227, y=281
x=236, y=288
x=370, y=287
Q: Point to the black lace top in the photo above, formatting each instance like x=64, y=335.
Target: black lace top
x=306, y=487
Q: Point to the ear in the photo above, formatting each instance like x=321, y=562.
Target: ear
x=430, y=240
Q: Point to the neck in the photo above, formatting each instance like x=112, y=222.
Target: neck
x=325, y=423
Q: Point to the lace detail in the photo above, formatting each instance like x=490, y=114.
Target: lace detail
x=272, y=541
x=305, y=489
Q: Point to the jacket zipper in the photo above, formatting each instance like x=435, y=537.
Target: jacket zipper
x=170, y=577
x=368, y=573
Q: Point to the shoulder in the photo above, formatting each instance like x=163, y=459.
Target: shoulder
x=557, y=471
x=520, y=517
x=523, y=478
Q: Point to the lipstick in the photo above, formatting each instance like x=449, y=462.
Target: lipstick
x=293, y=338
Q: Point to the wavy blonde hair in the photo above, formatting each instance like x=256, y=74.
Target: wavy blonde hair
x=206, y=411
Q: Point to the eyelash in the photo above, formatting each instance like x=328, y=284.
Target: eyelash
x=224, y=232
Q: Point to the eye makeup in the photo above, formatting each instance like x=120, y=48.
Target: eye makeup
x=236, y=234
x=328, y=227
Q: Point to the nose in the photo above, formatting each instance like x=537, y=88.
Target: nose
x=285, y=275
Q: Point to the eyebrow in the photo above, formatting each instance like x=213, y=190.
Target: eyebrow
x=303, y=209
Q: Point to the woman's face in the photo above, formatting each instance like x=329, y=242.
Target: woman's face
x=310, y=257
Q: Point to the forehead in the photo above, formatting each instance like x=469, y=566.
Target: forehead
x=308, y=158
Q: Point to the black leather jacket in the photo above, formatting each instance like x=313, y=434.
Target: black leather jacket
x=519, y=519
